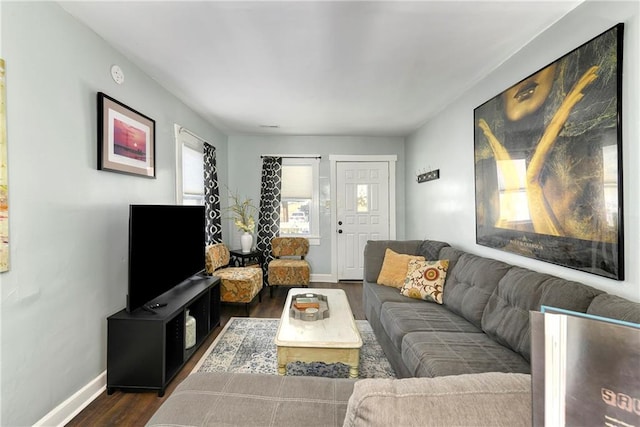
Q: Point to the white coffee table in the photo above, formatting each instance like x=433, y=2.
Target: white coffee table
x=331, y=340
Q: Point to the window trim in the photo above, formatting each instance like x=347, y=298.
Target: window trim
x=314, y=211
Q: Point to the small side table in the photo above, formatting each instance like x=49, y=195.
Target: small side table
x=242, y=259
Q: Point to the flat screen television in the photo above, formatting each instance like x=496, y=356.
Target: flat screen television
x=166, y=247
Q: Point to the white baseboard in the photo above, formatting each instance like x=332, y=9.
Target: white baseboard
x=64, y=412
x=326, y=278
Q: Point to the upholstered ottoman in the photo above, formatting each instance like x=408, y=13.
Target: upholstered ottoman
x=225, y=399
x=237, y=284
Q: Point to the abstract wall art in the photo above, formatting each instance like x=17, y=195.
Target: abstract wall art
x=548, y=175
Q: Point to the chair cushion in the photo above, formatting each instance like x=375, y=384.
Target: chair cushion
x=288, y=272
x=217, y=256
x=289, y=246
x=239, y=284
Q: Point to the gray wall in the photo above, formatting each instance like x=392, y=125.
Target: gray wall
x=245, y=151
x=69, y=221
x=446, y=142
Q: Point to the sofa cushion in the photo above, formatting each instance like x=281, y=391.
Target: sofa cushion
x=400, y=318
x=394, y=268
x=450, y=254
x=224, y=399
x=434, y=354
x=430, y=249
x=425, y=280
x=615, y=307
x=374, y=254
x=470, y=282
x=375, y=295
x=506, y=317
x=488, y=399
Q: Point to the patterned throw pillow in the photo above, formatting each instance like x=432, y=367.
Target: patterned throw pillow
x=394, y=268
x=425, y=280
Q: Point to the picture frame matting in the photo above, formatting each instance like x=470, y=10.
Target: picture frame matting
x=126, y=139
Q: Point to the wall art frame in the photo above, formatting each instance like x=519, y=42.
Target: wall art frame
x=548, y=162
x=4, y=178
x=126, y=139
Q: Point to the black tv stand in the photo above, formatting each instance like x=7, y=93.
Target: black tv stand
x=146, y=348
x=149, y=309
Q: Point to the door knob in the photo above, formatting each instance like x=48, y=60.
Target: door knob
x=339, y=222
x=339, y=231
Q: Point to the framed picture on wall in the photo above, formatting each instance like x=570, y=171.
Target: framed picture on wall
x=126, y=139
x=548, y=162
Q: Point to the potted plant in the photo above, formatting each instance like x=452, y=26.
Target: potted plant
x=243, y=214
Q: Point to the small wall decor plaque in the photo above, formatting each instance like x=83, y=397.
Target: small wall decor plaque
x=126, y=139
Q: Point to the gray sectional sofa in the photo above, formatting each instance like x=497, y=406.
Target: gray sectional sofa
x=465, y=362
x=483, y=323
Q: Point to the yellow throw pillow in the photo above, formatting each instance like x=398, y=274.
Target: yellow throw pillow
x=425, y=280
x=394, y=268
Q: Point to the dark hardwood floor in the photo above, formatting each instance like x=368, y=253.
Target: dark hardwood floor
x=135, y=409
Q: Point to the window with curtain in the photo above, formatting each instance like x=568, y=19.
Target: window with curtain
x=299, y=201
x=190, y=170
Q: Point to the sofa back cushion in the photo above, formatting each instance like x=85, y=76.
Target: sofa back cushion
x=506, y=317
x=430, y=249
x=374, y=254
x=491, y=398
x=470, y=282
x=615, y=307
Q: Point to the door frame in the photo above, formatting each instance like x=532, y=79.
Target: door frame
x=333, y=160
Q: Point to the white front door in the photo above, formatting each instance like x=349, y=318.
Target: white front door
x=362, y=193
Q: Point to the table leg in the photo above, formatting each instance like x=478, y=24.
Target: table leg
x=282, y=362
x=353, y=371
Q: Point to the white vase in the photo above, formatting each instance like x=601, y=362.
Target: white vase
x=246, y=240
x=189, y=331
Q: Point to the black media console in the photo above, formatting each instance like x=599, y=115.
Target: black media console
x=146, y=350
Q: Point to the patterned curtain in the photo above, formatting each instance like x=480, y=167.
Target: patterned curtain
x=269, y=215
x=213, y=230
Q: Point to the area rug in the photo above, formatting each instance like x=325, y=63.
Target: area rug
x=247, y=345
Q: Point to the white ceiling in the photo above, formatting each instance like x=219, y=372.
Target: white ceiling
x=318, y=68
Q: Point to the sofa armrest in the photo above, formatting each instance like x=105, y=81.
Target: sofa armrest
x=491, y=398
